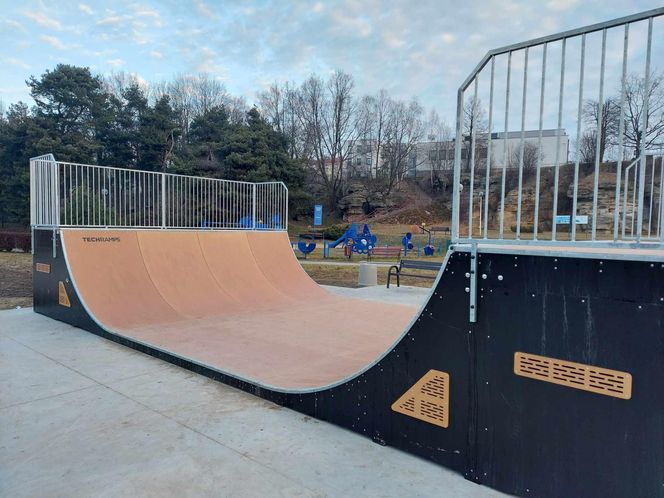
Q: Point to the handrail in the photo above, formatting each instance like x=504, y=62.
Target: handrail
x=66, y=194
x=498, y=154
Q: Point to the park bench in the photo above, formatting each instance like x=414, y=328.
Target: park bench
x=442, y=229
x=413, y=265
x=385, y=252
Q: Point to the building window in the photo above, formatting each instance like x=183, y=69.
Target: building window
x=369, y=161
x=358, y=161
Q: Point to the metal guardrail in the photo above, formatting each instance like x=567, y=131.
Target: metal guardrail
x=577, y=52
x=64, y=194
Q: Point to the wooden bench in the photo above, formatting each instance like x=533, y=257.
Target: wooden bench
x=385, y=252
x=413, y=265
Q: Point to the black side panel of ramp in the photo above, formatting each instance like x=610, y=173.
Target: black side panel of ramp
x=538, y=438
x=517, y=434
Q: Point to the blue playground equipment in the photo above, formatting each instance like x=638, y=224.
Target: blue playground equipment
x=306, y=244
x=273, y=224
x=248, y=223
x=429, y=249
x=407, y=242
x=360, y=243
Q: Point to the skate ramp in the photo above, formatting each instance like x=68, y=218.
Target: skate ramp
x=237, y=301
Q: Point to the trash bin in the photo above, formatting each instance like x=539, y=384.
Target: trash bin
x=368, y=275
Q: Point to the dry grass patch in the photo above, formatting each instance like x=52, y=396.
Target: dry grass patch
x=15, y=279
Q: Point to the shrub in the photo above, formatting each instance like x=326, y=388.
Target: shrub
x=300, y=204
x=15, y=240
x=334, y=232
x=524, y=228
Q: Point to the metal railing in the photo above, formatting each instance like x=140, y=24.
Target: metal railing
x=64, y=194
x=559, y=80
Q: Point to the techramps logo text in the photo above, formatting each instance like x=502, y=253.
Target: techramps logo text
x=100, y=239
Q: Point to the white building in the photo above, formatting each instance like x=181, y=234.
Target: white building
x=440, y=155
x=552, y=140
x=364, y=160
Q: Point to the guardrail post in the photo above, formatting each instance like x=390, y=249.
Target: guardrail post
x=163, y=200
x=253, y=206
x=456, y=193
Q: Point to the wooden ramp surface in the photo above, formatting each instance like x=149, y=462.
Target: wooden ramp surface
x=238, y=301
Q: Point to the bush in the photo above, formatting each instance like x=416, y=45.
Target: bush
x=15, y=240
x=301, y=204
x=524, y=228
x=334, y=232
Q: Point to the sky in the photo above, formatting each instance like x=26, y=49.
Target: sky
x=415, y=49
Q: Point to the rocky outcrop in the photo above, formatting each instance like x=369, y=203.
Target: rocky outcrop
x=360, y=201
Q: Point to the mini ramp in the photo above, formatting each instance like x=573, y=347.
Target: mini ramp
x=235, y=301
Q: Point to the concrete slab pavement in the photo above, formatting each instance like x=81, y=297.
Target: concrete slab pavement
x=82, y=416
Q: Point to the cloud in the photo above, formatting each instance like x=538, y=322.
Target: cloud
x=150, y=14
x=115, y=27
x=448, y=37
x=111, y=21
x=204, y=9
x=11, y=25
x=156, y=54
x=393, y=41
x=15, y=62
x=43, y=20
x=54, y=42
x=86, y=9
x=561, y=5
x=115, y=62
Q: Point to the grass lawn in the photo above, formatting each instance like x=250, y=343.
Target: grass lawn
x=15, y=279
x=346, y=276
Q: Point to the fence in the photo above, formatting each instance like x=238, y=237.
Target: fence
x=64, y=194
x=558, y=82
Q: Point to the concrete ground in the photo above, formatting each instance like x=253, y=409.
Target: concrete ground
x=411, y=296
x=83, y=416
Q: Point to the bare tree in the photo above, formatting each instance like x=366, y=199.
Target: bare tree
x=279, y=106
x=372, y=120
x=326, y=112
x=404, y=130
x=116, y=83
x=531, y=156
x=157, y=90
x=182, y=101
x=237, y=109
x=610, y=118
x=439, y=134
x=588, y=146
x=474, y=122
x=636, y=95
x=207, y=92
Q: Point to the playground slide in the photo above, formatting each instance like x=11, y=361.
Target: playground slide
x=554, y=389
x=338, y=241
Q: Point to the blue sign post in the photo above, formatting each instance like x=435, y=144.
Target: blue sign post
x=318, y=215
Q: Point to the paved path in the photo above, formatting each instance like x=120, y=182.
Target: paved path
x=83, y=416
x=410, y=296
